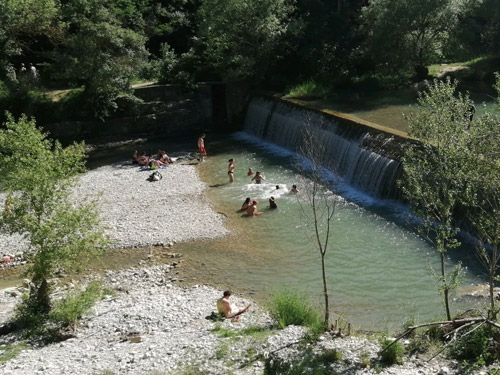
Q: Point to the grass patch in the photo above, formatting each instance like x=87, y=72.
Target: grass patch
x=249, y=331
x=308, y=89
x=310, y=364
x=289, y=308
x=193, y=370
x=222, y=351
x=8, y=352
x=67, y=311
x=391, y=354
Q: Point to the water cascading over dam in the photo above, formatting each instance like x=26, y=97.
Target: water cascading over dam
x=347, y=154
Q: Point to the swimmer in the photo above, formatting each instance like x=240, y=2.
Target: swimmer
x=277, y=187
x=258, y=178
x=252, y=209
x=230, y=170
x=245, y=204
x=294, y=189
x=250, y=172
x=272, y=203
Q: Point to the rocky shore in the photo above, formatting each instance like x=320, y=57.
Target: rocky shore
x=152, y=326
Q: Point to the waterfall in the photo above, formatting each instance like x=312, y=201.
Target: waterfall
x=283, y=124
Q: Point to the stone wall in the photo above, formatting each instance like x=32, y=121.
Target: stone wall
x=167, y=110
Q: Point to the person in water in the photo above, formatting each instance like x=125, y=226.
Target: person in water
x=230, y=170
x=250, y=172
x=245, y=204
x=252, y=209
x=227, y=309
x=294, y=189
x=258, y=178
x=272, y=203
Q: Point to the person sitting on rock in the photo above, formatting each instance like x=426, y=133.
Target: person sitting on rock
x=226, y=309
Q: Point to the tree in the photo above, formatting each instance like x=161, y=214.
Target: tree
x=484, y=177
x=38, y=175
x=403, y=37
x=435, y=170
x=22, y=22
x=99, y=53
x=242, y=37
x=317, y=202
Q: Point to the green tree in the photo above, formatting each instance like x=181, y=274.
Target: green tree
x=484, y=177
x=38, y=174
x=242, y=37
x=99, y=54
x=403, y=37
x=21, y=24
x=435, y=171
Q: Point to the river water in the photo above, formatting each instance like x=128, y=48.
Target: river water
x=378, y=270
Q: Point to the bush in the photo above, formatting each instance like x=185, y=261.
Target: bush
x=390, y=355
x=474, y=346
x=68, y=310
x=289, y=308
x=309, y=89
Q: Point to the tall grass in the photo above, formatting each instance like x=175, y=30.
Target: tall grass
x=309, y=88
x=290, y=308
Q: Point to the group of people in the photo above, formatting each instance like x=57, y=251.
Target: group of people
x=249, y=205
x=30, y=72
x=160, y=160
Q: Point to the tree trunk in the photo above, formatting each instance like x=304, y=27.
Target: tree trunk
x=446, y=290
x=40, y=297
x=325, y=291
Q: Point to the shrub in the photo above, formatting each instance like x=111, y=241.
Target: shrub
x=289, y=308
x=391, y=354
x=68, y=310
x=309, y=89
x=474, y=346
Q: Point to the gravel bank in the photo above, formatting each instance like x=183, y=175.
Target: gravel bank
x=141, y=213
x=151, y=326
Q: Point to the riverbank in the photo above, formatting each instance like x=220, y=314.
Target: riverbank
x=152, y=325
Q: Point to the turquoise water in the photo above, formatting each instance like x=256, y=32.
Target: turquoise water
x=378, y=270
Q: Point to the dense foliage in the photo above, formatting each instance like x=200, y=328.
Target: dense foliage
x=102, y=46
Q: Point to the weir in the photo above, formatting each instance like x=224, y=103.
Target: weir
x=354, y=152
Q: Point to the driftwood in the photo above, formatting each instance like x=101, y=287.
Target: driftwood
x=463, y=324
